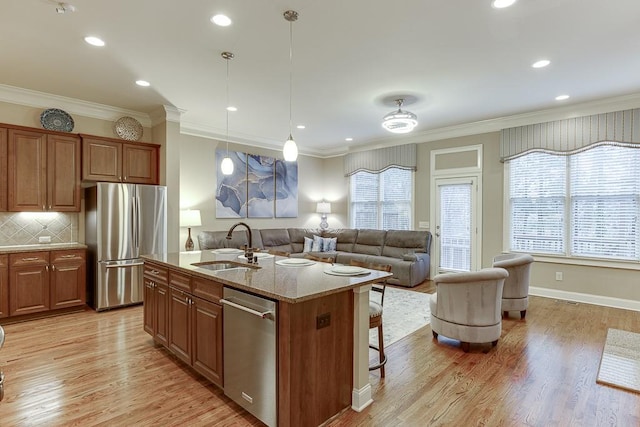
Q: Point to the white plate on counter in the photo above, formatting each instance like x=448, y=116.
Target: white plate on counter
x=259, y=255
x=346, y=270
x=295, y=262
x=227, y=251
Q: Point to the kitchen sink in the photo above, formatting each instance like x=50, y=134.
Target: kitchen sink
x=222, y=265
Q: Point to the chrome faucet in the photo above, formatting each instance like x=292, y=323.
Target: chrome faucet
x=248, y=251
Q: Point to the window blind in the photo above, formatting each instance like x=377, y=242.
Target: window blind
x=382, y=200
x=605, y=203
x=538, y=190
x=586, y=204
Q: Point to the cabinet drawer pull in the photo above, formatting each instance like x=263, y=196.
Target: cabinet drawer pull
x=33, y=258
x=68, y=256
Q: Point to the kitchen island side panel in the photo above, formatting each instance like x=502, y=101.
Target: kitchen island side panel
x=315, y=362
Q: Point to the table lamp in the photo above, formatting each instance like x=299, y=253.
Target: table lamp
x=323, y=208
x=190, y=218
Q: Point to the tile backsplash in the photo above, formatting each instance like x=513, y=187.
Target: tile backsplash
x=25, y=228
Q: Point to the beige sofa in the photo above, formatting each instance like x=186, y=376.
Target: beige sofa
x=406, y=251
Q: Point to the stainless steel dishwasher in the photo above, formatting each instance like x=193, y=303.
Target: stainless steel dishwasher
x=250, y=353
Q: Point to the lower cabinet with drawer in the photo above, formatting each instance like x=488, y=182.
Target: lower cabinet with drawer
x=45, y=280
x=193, y=318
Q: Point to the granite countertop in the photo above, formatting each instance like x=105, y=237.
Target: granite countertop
x=41, y=247
x=283, y=283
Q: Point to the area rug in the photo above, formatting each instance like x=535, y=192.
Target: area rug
x=404, y=312
x=620, y=362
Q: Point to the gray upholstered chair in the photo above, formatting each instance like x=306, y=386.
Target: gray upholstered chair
x=515, y=294
x=467, y=306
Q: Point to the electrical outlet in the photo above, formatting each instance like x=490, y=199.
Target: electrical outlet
x=558, y=275
x=44, y=239
x=323, y=320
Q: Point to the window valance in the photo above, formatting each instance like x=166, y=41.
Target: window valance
x=571, y=135
x=401, y=156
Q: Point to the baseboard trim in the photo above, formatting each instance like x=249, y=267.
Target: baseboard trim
x=585, y=298
x=361, y=398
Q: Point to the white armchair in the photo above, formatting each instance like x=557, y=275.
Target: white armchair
x=466, y=306
x=515, y=295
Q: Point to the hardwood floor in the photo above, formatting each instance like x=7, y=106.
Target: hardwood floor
x=88, y=368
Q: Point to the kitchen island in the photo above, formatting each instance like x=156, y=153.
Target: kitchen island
x=322, y=325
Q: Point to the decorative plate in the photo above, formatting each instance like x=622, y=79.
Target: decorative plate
x=128, y=128
x=54, y=119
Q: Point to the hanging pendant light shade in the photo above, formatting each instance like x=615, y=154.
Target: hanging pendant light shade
x=290, y=149
x=227, y=164
x=400, y=121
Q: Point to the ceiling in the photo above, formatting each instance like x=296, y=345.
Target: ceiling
x=459, y=63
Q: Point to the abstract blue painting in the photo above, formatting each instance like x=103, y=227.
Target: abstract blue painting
x=286, y=189
x=260, y=186
x=231, y=191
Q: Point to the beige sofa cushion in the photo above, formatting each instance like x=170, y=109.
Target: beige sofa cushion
x=398, y=243
x=370, y=242
x=346, y=238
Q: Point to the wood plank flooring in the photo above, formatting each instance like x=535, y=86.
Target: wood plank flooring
x=88, y=368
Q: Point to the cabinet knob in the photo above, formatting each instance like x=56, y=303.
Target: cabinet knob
x=47, y=267
x=53, y=267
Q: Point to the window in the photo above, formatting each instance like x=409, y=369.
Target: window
x=381, y=200
x=583, y=205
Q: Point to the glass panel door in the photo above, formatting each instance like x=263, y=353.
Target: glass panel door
x=455, y=230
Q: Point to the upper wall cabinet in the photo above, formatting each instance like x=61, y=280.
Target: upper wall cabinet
x=111, y=160
x=3, y=169
x=43, y=171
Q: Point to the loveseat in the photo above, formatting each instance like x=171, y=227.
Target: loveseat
x=406, y=251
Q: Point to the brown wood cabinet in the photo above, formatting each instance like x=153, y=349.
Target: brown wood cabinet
x=43, y=281
x=193, y=323
x=110, y=160
x=68, y=278
x=43, y=171
x=4, y=286
x=3, y=169
x=28, y=283
x=156, y=303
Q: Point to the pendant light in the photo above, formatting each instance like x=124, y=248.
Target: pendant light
x=227, y=164
x=290, y=149
x=400, y=121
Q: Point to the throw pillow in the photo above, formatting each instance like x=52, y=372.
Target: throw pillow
x=308, y=243
x=329, y=244
x=317, y=244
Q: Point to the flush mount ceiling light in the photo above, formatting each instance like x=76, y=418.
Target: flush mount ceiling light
x=94, y=41
x=562, y=97
x=143, y=83
x=227, y=164
x=400, y=121
x=290, y=149
x=541, y=64
x=221, y=20
x=500, y=4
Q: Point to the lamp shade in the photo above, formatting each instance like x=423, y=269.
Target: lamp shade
x=323, y=208
x=190, y=218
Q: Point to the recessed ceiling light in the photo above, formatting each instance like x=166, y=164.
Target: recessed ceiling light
x=301, y=127
x=222, y=20
x=143, y=83
x=231, y=108
x=562, y=97
x=94, y=41
x=348, y=139
x=541, y=64
x=499, y=4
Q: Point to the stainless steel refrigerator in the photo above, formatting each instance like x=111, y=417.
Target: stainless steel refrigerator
x=122, y=222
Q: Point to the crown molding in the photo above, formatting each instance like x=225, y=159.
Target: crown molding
x=166, y=113
x=32, y=98
x=210, y=132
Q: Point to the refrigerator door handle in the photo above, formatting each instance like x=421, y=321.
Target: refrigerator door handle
x=138, y=224
x=123, y=265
